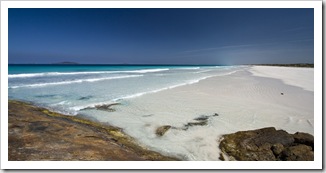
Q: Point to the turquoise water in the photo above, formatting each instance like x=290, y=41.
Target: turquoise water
x=70, y=89
x=19, y=69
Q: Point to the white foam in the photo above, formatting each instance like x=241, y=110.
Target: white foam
x=28, y=75
x=74, y=81
x=173, y=86
x=189, y=68
x=146, y=70
x=92, y=105
x=162, y=89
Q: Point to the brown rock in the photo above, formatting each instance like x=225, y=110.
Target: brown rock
x=162, y=130
x=200, y=123
x=266, y=144
x=106, y=107
x=298, y=153
x=39, y=134
x=277, y=149
x=304, y=138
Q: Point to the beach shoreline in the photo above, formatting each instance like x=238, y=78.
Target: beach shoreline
x=246, y=99
x=242, y=100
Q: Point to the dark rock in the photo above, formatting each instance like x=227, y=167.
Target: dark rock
x=304, y=138
x=162, y=130
x=221, y=157
x=215, y=115
x=298, y=153
x=272, y=136
x=85, y=98
x=37, y=126
x=107, y=107
x=277, y=149
x=202, y=118
x=201, y=123
x=266, y=144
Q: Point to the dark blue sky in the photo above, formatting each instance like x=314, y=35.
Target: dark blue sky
x=161, y=36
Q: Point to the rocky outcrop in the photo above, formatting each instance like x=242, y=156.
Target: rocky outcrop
x=106, y=107
x=162, y=130
x=103, y=107
x=267, y=144
x=38, y=134
x=199, y=121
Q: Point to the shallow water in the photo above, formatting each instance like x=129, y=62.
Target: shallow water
x=70, y=88
x=72, y=91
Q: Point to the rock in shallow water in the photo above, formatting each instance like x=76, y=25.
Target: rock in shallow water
x=162, y=130
x=106, y=107
x=200, y=123
x=267, y=144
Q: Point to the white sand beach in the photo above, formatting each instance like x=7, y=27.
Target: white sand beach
x=301, y=77
x=247, y=99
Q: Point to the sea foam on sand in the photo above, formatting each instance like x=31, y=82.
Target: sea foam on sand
x=245, y=100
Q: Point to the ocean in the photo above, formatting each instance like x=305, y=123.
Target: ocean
x=69, y=89
x=82, y=89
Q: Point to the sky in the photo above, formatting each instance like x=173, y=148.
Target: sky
x=210, y=36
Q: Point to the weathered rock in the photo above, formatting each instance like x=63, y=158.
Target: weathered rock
x=298, y=153
x=304, y=138
x=39, y=134
x=267, y=144
x=200, y=123
x=215, y=115
x=277, y=149
x=202, y=118
x=221, y=157
x=107, y=107
x=162, y=130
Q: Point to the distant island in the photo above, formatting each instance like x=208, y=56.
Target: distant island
x=66, y=62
